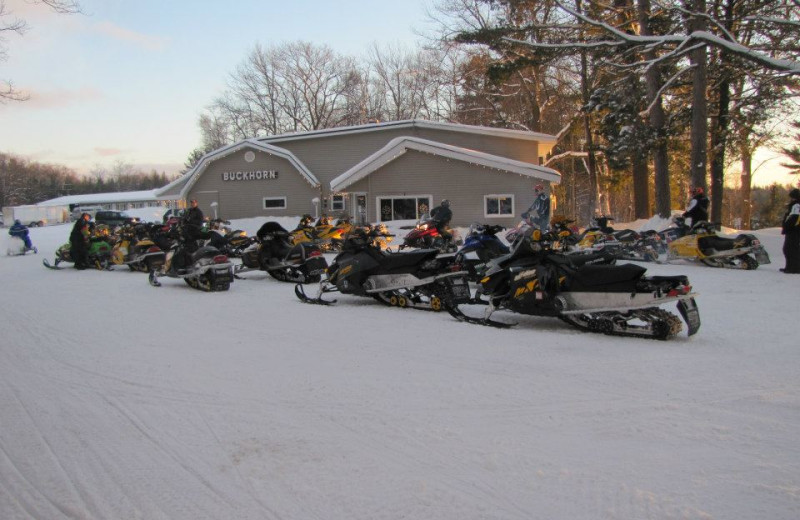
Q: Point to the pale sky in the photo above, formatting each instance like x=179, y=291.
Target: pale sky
x=128, y=80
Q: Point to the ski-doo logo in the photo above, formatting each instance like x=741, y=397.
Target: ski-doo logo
x=259, y=175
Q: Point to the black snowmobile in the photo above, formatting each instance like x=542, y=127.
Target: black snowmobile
x=596, y=297
x=417, y=279
x=201, y=267
x=272, y=252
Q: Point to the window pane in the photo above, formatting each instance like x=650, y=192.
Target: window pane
x=491, y=206
x=275, y=203
x=423, y=206
x=505, y=206
x=405, y=209
x=386, y=209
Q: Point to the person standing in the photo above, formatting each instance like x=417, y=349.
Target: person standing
x=790, y=229
x=539, y=212
x=698, y=207
x=79, y=242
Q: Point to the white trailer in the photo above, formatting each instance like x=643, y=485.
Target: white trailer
x=33, y=216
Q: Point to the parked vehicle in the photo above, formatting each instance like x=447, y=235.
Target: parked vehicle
x=114, y=218
x=611, y=299
x=201, y=267
x=272, y=252
x=36, y=216
x=480, y=245
x=417, y=279
x=99, y=254
x=703, y=244
x=137, y=250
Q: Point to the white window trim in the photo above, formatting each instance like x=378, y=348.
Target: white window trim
x=343, y=198
x=498, y=196
x=381, y=197
x=265, y=199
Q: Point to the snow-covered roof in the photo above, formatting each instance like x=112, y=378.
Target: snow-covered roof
x=400, y=145
x=101, y=198
x=185, y=182
x=418, y=123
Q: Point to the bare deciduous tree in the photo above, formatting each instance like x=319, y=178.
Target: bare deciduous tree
x=11, y=24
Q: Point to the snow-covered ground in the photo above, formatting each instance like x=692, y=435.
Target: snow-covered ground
x=119, y=400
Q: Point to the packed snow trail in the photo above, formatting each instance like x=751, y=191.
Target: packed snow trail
x=120, y=400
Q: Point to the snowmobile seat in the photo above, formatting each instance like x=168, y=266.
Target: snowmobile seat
x=663, y=283
x=718, y=243
x=204, y=251
x=401, y=260
x=271, y=228
x=576, y=260
x=611, y=278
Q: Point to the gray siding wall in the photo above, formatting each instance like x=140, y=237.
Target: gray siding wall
x=517, y=149
x=330, y=156
x=244, y=198
x=462, y=183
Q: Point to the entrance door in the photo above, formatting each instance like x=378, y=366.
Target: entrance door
x=359, y=208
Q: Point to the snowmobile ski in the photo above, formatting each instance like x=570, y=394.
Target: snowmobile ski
x=47, y=264
x=460, y=316
x=299, y=291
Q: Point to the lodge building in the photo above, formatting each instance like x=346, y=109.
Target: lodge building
x=373, y=173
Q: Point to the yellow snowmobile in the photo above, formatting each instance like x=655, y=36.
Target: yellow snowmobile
x=703, y=244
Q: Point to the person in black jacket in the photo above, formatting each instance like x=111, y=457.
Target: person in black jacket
x=79, y=242
x=698, y=207
x=442, y=215
x=194, y=220
x=790, y=228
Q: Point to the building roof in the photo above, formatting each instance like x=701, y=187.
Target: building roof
x=181, y=186
x=400, y=145
x=419, y=123
x=101, y=198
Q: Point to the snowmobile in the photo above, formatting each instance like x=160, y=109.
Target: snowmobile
x=566, y=231
x=480, y=246
x=703, y=244
x=611, y=299
x=99, y=254
x=331, y=236
x=136, y=250
x=232, y=242
x=416, y=279
x=304, y=232
x=425, y=235
x=16, y=247
x=201, y=267
x=272, y=252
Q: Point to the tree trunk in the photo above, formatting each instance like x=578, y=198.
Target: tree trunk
x=657, y=121
x=747, y=178
x=699, y=133
x=719, y=138
x=641, y=195
x=591, y=206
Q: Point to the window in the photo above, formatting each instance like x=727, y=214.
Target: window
x=498, y=206
x=274, y=202
x=337, y=202
x=403, y=208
